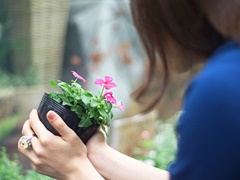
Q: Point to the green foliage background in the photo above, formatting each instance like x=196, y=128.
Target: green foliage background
x=161, y=149
x=12, y=169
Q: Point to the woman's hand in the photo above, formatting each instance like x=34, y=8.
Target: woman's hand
x=112, y=164
x=61, y=157
x=98, y=140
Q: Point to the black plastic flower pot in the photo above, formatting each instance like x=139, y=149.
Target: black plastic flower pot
x=69, y=117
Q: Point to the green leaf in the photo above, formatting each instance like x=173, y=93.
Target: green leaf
x=55, y=96
x=102, y=112
x=94, y=113
x=109, y=106
x=104, y=129
x=78, y=110
x=85, y=122
x=53, y=83
x=64, y=99
x=76, y=85
x=93, y=103
x=86, y=99
x=64, y=86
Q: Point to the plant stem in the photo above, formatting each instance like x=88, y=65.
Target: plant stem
x=101, y=94
x=74, y=82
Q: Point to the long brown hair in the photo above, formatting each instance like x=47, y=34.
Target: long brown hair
x=184, y=21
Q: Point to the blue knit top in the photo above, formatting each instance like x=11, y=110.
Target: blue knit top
x=209, y=126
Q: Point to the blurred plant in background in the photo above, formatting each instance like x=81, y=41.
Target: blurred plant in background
x=7, y=45
x=7, y=125
x=12, y=169
x=31, y=40
x=11, y=80
x=159, y=151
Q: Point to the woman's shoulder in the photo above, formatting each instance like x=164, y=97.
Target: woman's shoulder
x=221, y=74
x=216, y=84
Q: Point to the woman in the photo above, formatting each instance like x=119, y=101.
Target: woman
x=182, y=33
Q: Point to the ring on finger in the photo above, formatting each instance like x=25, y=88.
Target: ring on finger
x=25, y=141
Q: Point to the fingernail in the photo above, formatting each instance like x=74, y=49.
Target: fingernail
x=51, y=115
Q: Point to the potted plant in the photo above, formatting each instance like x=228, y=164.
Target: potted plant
x=82, y=110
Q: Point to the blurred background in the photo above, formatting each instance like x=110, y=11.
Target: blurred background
x=42, y=40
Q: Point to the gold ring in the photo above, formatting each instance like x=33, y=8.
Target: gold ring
x=25, y=141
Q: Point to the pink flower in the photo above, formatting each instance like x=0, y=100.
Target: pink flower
x=145, y=134
x=108, y=83
x=109, y=97
x=76, y=75
x=120, y=106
